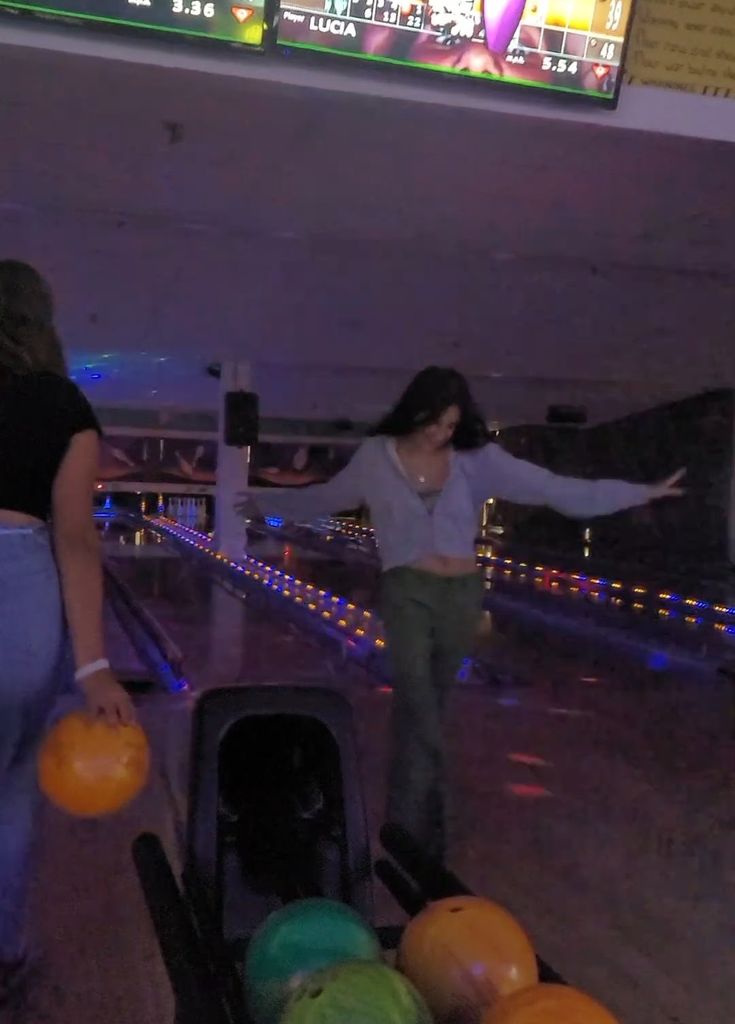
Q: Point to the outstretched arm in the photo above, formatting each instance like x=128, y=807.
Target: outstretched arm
x=501, y=475
x=343, y=491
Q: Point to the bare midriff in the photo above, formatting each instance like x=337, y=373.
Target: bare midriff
x=9, y=518
x=443, y=565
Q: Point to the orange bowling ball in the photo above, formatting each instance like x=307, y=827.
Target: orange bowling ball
x=549, y=1004
x=89, y=768
x=463, y=954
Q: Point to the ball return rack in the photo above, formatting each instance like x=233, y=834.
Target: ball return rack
x=275, y=813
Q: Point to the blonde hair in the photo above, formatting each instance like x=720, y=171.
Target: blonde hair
x=28, y=339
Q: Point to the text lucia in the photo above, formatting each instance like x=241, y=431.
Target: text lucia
x=324, y=25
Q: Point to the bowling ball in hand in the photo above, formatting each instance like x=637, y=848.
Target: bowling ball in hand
x=295, y=942
x=357, y=993
x=549, y=1004
x=463, y=955
x=89, y=768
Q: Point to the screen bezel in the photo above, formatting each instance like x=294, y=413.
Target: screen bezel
x=399, y=69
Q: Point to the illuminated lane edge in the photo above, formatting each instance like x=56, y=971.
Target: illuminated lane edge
x=582, y=583
x=360, y=626
x=357, y=623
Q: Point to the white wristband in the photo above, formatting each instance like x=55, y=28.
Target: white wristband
x=89, y=670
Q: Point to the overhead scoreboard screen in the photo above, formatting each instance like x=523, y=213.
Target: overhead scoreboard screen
x=572, y=47
x=569, y=46
x=229, y=21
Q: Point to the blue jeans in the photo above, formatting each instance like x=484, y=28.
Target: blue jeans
x=33, y=669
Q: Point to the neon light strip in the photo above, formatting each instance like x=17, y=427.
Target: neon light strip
x=356, y=622
x=510, y=566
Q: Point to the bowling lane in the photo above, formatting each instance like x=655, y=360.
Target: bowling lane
x=225, y=639
x=125, y=660
x=591, y=797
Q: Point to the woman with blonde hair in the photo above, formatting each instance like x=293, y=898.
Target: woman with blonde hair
x=50, y=576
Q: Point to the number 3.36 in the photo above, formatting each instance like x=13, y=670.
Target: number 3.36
x=195, y=8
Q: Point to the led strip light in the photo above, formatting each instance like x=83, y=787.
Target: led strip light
x=593, y=586
x=358, y=624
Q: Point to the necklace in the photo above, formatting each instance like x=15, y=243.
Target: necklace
x=420, y=478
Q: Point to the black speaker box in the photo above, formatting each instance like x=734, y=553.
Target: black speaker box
x=241, y=419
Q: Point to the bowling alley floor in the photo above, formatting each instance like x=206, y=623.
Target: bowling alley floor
x=593, y=797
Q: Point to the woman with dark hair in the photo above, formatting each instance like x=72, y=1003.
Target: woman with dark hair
x=49, y=579
x=425, y=475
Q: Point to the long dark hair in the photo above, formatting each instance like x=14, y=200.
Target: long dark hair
x=28, y=339
x=426, y=398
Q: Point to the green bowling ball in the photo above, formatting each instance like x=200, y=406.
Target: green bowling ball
x=295, y=942
x=357, y=993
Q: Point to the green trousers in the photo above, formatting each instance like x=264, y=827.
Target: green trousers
x=431, y=623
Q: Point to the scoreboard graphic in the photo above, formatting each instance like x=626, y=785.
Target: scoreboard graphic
x=562, y=45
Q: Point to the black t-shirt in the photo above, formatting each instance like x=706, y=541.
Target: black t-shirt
x=39, y=415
